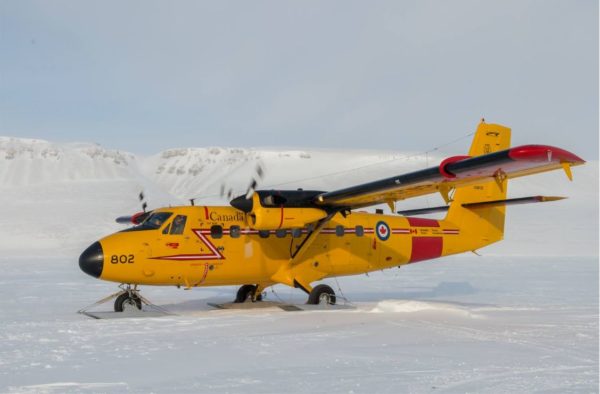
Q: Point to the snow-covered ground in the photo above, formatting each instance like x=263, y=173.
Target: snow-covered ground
x=462, y=324
x=521, y=318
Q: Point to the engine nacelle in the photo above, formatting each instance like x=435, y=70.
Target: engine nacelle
x=275, y=216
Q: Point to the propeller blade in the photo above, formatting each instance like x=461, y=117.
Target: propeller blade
x=251, y=189
x=259, y=171
x=259, y=175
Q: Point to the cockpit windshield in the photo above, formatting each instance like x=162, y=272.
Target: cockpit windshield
x=156, y=220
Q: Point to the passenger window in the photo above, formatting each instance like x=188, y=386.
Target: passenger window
x=296, y=232
x=234, y=231
x=339, y=231
x=166, y=230
x=263, y=233
x=178, y=224
x=280, y=233
x=360, y=231
x=216, y=231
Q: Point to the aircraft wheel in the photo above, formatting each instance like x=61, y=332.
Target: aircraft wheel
x=321, y=294
x=127, y=301
x=246, y=292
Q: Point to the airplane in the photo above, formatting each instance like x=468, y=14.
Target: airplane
x=299, y=237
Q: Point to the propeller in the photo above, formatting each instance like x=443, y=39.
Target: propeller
x=244, y=202
x=142, y=200
x=136, y=218
x=258, y=176
x=228, y=194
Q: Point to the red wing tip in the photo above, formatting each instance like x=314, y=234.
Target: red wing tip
x=543, y=153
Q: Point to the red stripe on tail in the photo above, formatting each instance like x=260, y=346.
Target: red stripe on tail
x=425, y=248
x=420, y=222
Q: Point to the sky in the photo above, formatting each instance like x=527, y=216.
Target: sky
x=144, y=76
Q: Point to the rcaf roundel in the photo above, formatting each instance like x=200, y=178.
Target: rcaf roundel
x=382, y=230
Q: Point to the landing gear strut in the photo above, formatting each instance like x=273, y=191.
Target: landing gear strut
x=128, y=299
x=248, y=292
x=321, y=294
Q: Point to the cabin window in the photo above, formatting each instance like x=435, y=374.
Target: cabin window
x=235, y=231
x=178, y=224
x=280, y=233
x=339, y=231
x=360, y=231
x=166, y=230
x=216, y=231
x=263, y=233
x=296, y=232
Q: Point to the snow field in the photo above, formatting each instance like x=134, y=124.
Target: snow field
x=484, y=324
x=521, y=318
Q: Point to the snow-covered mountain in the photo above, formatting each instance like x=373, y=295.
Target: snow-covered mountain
x=69, y=194
x=27, y=162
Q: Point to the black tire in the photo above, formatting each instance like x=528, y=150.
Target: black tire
x=321, y=293
x=124, y=299
x=246, y=292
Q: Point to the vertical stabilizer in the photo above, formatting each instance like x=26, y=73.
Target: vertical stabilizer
x=483, y=225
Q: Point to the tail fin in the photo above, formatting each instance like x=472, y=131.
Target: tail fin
x=484, y=224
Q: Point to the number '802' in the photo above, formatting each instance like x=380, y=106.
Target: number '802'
x=122, y=258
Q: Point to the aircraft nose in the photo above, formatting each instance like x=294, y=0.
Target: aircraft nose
x=91, y=260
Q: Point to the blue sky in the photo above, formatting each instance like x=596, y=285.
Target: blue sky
x=145, y=75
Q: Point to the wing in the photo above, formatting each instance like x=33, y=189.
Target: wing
x=452, y=173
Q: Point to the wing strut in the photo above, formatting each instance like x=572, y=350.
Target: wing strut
x=306, y=274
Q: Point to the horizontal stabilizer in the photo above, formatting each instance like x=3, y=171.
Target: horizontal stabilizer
x=484, y=204
x=422, y=211
x=512, y=201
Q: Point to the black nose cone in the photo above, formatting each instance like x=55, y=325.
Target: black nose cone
x=91, y=260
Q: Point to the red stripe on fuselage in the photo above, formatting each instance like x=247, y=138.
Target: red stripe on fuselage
x=425, y=248
x=420, y=222
x=281, y=219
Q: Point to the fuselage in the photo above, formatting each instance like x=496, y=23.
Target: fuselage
x=210, y=246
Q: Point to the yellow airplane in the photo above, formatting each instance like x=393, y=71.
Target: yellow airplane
x=299, y=237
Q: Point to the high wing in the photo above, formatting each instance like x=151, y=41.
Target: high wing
x=452, y=173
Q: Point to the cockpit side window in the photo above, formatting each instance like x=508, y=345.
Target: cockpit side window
x=166, y=229
x=178, y=224
x=156, y=220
